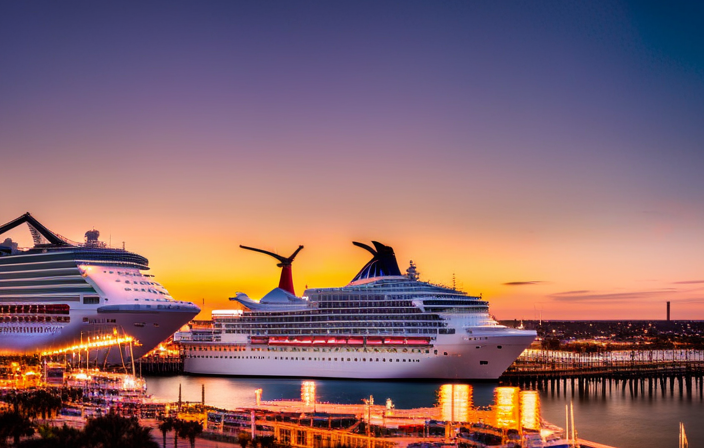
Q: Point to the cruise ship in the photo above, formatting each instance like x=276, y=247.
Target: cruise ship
x=382, y=325
x=60, y=293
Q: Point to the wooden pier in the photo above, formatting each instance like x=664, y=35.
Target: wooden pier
x=641, y=372
x=160, y=365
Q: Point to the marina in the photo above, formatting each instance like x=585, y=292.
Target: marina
x=511, y=419
x=617, y=419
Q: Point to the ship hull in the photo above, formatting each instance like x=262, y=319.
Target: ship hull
x=147, y=327
x=484, y=357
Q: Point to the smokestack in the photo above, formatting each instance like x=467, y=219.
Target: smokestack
x=668, y=311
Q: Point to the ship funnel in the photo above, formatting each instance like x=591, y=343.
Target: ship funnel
x=286, y=281
x=383, y=264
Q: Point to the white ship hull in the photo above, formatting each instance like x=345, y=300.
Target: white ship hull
x=153, y=328
x=486, y=357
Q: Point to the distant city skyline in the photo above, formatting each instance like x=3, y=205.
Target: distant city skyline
x=547, y=155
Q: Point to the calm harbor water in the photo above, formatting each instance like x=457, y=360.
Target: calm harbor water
x=615, y=416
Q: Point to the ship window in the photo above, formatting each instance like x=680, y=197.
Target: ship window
x=483, y=363
x=498, y=346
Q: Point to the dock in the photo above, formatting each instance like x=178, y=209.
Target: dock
x=640, y=371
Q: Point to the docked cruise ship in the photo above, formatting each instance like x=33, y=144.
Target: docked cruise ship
x=59, y=293
x=382, y=325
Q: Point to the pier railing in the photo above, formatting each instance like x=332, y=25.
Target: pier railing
x=552, y=361
x=540, y=368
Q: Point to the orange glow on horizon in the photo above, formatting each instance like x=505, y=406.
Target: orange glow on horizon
x=521, y=278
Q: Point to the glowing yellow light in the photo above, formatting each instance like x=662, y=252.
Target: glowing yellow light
x=107, y=341
x=506, y=408
x=530, y=409
x=308, y=392
x=455, y=402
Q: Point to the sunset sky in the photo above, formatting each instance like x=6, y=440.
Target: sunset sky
x=548, y=154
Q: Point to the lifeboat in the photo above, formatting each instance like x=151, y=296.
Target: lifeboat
x=278, y=341
x=417, y=341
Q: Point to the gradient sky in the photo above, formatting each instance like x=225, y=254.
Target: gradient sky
x=548, y=154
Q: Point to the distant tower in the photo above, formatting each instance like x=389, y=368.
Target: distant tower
x=286, y=281
x=668, y=311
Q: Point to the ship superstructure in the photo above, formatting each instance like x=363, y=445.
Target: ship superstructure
x=381, y=325
x=59, y=293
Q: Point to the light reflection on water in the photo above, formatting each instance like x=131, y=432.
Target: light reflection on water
x=226, y=392
x=615, y=418
x=626, y=420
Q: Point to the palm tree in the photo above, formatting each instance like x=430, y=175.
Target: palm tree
x=68, y=437
x=266, y=441
x=244, y=438
x=56, y=437
x=190, y=430
x=15, y=425
x=165, y=426
x=115, y=431
x=45, y=403
x=177, y=427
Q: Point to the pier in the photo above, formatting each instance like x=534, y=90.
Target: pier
x=160, y=365
x=640, y=372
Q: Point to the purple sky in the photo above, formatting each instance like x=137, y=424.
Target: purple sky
x=550, y=154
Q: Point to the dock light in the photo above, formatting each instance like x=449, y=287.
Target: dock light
x=100, y=343
x=258, y=397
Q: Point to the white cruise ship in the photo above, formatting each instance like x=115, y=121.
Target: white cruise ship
x=382, y=325
x=60, y=293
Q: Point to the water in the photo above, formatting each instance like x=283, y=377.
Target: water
x=616, y=417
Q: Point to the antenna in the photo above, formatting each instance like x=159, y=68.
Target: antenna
x=286, y=280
